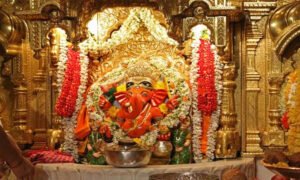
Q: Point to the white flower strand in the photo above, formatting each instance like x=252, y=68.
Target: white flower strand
x=211, y=134
x=172, y=119
x=69, y=144
x=129, y=27
x=62, y=59
x=196, y=114
x=157, y=31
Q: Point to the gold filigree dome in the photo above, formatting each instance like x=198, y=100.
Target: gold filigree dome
x=284, y=17
x=284, y=26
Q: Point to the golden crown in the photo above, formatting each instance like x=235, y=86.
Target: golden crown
x=142, y=68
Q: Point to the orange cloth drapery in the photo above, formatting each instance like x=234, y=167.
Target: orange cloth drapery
x=206, y=119
x=82, y=129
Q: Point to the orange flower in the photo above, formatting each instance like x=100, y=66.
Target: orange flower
x=185, y=98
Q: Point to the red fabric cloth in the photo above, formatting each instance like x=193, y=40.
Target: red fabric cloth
x=47, y=156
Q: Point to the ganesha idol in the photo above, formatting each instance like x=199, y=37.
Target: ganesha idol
x=142, y=103
x=139, y=105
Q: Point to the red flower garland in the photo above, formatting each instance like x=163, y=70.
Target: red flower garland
x=65, y=105
x=207, y=94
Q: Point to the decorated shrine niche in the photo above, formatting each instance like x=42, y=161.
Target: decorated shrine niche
x=129, y=82
x=167, y=81
x=144, y=75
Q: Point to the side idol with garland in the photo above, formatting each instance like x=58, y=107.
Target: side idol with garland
x=291, y=109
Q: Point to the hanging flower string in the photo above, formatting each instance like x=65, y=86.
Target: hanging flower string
x=196, y=114
x=206, y=72
x=70, y=144
x=73, y=72
x=62, y=59
x=215, y=117
x=207, y=94
x=65, y=105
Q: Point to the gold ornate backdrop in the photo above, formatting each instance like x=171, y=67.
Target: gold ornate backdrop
x=253, y=54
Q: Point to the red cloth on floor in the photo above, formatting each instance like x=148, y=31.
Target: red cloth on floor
x=47, y=156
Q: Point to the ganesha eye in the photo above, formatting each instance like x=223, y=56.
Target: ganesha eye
x=129, y=84
x=146, y=84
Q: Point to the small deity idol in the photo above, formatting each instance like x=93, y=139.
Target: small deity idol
x=182, y=142
x=95, y=146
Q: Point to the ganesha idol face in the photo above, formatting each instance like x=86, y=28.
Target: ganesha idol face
x=139, y=92
x=139, y=105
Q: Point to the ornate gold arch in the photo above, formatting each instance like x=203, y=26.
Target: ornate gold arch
x=284, y=26
x=142, y=46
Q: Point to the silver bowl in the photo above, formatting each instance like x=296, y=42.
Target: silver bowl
x=290, y=172
x=128, y=157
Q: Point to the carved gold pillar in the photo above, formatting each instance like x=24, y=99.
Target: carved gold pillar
x=251, y=136
x=252, y=139
x=228, y=138
x=20, y=130
x=54, y=54
x=12, y=34
x=228, y=143
x=40, y=100
x=252, y=91
x=54, y=132
x=274, y=136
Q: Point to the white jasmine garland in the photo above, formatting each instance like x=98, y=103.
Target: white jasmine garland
x=211, y=134
x=118, y=134
x=62, y=59
x=128, y=28
x=157, y=31
x=149, y=138
x=196, y=114
x=172, y=119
